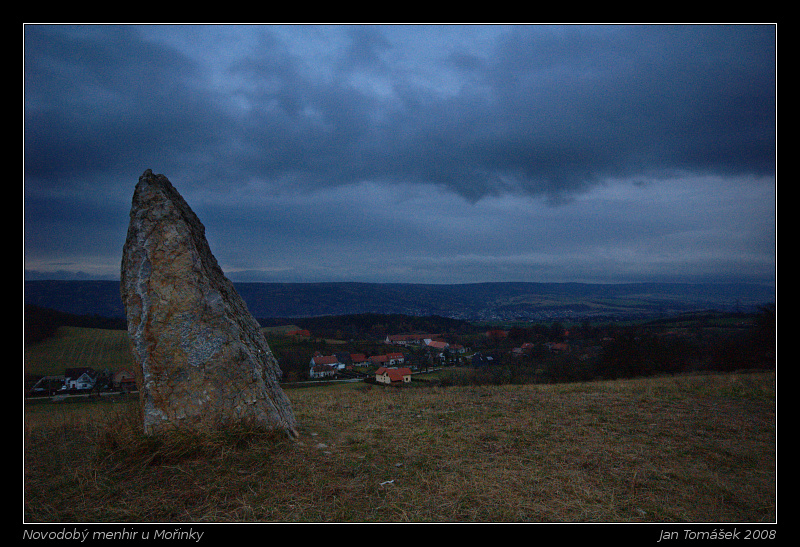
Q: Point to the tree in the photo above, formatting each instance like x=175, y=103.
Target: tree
x=556, y=331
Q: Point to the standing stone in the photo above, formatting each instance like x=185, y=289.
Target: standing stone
x=202, y=358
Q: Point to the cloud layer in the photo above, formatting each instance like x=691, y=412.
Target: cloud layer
x=340, y=139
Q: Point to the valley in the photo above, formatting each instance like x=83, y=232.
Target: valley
x=468, y=302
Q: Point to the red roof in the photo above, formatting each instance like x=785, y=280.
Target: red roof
x=394, y=374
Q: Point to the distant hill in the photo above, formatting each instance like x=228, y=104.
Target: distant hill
x=41, y=323
x=471, y=302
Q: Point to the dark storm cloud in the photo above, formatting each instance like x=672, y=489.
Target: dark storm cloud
x=572, y=106
x=98, y=99
x=546, y=110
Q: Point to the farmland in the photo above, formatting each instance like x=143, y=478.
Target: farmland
x=74, y=347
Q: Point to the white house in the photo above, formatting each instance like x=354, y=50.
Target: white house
x=327, y=360
x=79, y=378
x=321, y=371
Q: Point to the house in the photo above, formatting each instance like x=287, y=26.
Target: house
x=527, y=347
x=124, y=380
x=481, y=360
x=379, y=360
x=391, y=375
x=559, y=347
x=406, y=339
x=401, y=339
x=436, y=344
x=344, y=358
x=47, y=385
x=359, y=359
x=389, y=359
x=326, y=360
x=321, y=371
x=79, y=378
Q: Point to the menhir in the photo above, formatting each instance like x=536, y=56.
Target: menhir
x=202, y=357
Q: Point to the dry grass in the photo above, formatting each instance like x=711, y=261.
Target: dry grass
x=683, y=449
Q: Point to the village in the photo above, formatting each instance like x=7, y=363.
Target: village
x=391, y=367
x=409, y=354
x=415, y=353
x=368, y=349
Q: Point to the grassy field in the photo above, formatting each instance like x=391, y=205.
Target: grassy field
x=684, y=449
x=75, y=347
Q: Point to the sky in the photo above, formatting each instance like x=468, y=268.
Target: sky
x=410, y=153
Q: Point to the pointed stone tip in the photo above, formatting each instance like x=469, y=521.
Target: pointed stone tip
x=147, y=177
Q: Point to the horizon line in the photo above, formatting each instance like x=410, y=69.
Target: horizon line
x=771, y=283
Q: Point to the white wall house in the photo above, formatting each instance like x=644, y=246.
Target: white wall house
x=79, y=378
x=321, y=371
x=327, y=360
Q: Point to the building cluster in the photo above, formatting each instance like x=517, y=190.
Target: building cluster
x=431, y=341
x=323, y=366
x=437, y=352
x=84, y=379
x=390, y=369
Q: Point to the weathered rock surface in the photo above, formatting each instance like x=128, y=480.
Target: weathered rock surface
x=203, y=359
